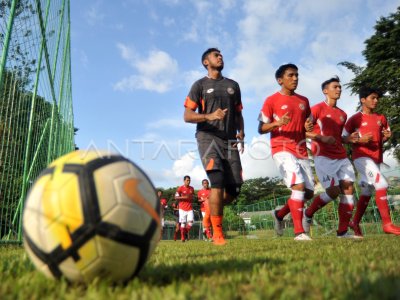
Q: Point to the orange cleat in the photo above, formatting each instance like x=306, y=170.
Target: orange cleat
x=356, y=228
x=219, y=241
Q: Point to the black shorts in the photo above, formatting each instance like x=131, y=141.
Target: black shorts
x=218, y=154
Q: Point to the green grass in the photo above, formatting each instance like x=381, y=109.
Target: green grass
x=326, y=268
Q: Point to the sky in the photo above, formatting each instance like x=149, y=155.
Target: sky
x=134, y=61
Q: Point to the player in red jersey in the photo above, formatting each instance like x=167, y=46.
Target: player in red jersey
x=184, y=194
x=372, y=130
x=163, y=206
x=219, y=131
x=203, y=197
x=285, y=115
x=333, y=168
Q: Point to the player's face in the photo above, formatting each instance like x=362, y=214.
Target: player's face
x=371, y=101
x=159, y=193
x=205, y=184
x=215, y=60
x=333, y=90
x=289, y=80
x=186, y=182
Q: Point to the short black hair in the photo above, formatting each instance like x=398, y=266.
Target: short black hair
x=206, y=53
x=365, y=91
x=330, y=80
x=281, y=70
x=186, y=177
x=205, y=180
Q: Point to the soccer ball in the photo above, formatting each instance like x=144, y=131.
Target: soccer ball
x=91, y=214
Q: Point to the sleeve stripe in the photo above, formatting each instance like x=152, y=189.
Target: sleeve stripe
x=263, y=118
x=189, y=103
x=239, y=107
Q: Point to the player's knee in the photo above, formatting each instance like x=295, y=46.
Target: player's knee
x=216, y=179
x=366, y=189
x=233, y=190
x=381, y=184
x=309, y=194
x=333, y=192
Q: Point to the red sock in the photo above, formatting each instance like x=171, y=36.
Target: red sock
x=345, y=212
x=216, y=222
x=175, y=235
x=315, y=205
x=283, y=211
x=296, y=209
x=183, y=230
x=383, y=206
x=362, y=205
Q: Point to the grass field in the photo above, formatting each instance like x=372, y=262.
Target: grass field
x=326, y=268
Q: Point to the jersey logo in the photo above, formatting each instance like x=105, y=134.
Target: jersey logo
x=341, y=119
x=379, y=123
x=364, y=123
x=301, y=105
x=328, y=116
x=370, y=174
x=283, y=106
x=209, y=91
x=230, y=91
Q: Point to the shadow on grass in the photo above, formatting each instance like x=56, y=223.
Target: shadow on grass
x=165, y=274
x=384, y=287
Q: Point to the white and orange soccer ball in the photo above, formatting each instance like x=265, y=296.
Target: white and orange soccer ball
x=91, y=214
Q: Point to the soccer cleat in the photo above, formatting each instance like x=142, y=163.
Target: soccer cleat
x=356, y=228
x=278, y=224
x=391, y=229
x=219, y=241
x=302, y=237
x=306, y=222
x=347, y=235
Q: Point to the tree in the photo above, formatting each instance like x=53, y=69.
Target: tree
x=382, y=53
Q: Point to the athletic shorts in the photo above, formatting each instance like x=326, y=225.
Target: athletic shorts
x=294, y=170
x=369, y=172
x=331, y=171
x=220, y=155
x=185, y=216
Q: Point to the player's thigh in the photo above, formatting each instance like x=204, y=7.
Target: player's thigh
x=233, y=168
x=346, y=170
x=183, y=216
x=289, y=167
x=211, y=151
x=370, y=173
x=307, y=174
x=190, y=216
x=326, y=170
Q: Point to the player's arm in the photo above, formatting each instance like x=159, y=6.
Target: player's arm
x=190, y=116
x=330, y=140
x=268, y=127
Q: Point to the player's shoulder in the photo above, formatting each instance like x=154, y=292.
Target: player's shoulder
x=230, y=81
x=319, y=106
x=357, y=116
x=301, y=97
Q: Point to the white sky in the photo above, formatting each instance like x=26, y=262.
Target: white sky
x=133, y=63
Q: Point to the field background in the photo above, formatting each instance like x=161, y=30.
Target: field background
x=247, y=268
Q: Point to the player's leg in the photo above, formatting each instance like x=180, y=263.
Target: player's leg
x=183, y=221
x=190, y=219
x=346, y=206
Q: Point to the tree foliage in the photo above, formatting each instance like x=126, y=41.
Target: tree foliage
x=382, y=71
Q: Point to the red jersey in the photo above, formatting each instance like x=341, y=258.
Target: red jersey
x=329, y=121
x=363, y=124
x=163, y=204
x=185, y=204
x=292, y=136
x=203, y=194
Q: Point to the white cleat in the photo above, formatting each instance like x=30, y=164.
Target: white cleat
x=278, y=224
x=349, y=236
x=302, y=237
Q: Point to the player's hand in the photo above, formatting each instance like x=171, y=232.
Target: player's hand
x=354, y=137
x=219, y=114
x=308, y=125
x=330, y=140
x=285, y=119
x=240, y=142
x=386, y=134
x=366, y=138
